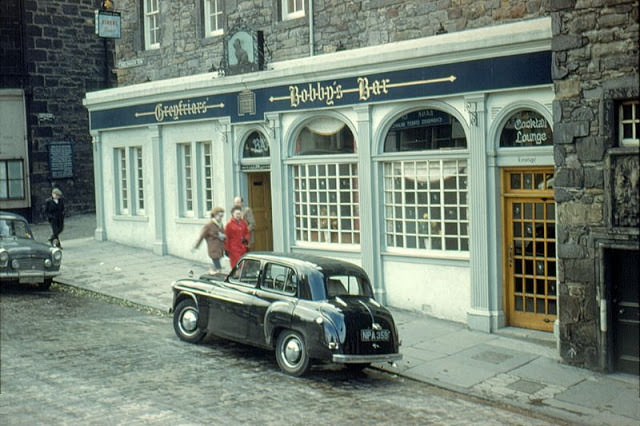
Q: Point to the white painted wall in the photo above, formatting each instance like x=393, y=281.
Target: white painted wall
x=442, y=291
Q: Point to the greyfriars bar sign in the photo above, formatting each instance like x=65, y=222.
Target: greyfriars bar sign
x=526, y=128
x=251, y=103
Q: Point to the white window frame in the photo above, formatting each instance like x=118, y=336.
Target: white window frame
x=138, y=181
x=320, y=219
x=446, y=208
x=10, y=181
x=292, y=9
x=121, y=180
x=151, y=10
x=632, y=123
x=213, y=14
x=205, y=178
x=129, y=181
x=196, y=178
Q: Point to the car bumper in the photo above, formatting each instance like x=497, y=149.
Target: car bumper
x=358, y=359
x=27, y=276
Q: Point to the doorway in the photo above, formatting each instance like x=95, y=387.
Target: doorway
x=622, y=274
x=259, y=199
x=529, y=248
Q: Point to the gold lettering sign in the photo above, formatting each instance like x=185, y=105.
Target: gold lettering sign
x=179, y=109
x=329, y=93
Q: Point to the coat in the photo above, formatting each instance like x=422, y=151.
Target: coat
x=237, y=240
x=211, y=234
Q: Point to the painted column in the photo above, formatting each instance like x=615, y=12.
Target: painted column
x=279, y=193
x=369, y=243
x=479, y=314
x=100, y=233
x=160, y=238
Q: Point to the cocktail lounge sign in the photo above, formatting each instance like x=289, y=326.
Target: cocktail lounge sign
x=526, y=128
x=250, y=104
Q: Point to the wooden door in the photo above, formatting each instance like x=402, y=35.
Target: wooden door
x=260, y=202
x=530, y=248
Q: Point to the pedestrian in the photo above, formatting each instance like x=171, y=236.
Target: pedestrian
x=247, y=214
x=213, y=234
x=237, y=233
x=54, y=212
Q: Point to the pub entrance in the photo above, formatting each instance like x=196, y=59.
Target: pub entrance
x=259, y=199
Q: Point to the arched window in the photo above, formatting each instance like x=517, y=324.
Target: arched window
x=255, y=146
x=526, y=128
x=325, y=187
x=425, y=195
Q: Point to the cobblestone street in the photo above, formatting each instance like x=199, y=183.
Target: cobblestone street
x=80, y=359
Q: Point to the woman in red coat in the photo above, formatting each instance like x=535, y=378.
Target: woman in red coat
x=237, y=233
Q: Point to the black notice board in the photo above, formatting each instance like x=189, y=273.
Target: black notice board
x=61, y=160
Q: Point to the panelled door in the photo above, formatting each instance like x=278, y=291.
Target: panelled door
x=260, y=202
x=530, y=248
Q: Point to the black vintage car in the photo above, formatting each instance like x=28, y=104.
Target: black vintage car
x=23, y=259
x=307, y=308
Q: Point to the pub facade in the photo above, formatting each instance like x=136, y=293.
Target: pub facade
x=429, y=162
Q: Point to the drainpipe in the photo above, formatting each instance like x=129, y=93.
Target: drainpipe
x=310, y=27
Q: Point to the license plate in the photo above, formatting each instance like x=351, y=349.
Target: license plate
x=369, y=335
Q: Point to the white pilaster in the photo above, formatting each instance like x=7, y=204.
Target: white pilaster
x=160, y=237
x=100, y=233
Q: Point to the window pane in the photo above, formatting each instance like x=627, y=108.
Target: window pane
x=425, y=130
x=325, y=136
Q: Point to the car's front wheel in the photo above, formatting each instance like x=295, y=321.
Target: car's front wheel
x=185, y=322
x=291, y=353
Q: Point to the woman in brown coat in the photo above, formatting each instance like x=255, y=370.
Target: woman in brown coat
x=213, y=233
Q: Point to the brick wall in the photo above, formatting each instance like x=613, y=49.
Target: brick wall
x=356, y=23
x=64, y=59
x=595, y=45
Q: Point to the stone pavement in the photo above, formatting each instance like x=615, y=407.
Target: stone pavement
x=515, y=367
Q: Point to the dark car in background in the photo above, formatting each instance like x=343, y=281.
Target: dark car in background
x=306, y=308
x=22, y=258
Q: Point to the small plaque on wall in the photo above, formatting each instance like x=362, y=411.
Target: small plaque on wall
x=60, y=160
x=244, y=52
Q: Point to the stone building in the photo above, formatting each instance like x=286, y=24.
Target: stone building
x=413, y=138
x=50, y=57
x=596, y=133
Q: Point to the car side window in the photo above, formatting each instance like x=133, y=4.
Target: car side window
x=280, y=279
x=247, y=272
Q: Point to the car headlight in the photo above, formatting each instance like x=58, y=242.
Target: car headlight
x=4, y=258
x=47, y=263
x=56, y=255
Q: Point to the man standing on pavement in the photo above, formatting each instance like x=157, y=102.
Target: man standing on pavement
x=54, y=211
x=247, y=214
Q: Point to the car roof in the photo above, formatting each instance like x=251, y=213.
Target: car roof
x=9, y=215
x=309, y=262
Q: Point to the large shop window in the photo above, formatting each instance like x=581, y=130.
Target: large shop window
x=129, y=179
x=425, y=196
x=12, y=180
x=326, y=199
x=195, y=173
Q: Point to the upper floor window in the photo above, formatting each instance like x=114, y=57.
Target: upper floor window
x=629, y=123
x=426, y=129
x=11, y=180
x=292, y=9
x=213, y=18
x=151, y=24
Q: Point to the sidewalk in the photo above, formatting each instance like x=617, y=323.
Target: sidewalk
x=513, y=367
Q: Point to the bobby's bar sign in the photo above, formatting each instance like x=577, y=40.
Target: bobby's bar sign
x=525, y=70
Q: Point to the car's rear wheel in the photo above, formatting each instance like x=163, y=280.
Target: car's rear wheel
x=185, y=321
x=45, y=285
x=291, y=353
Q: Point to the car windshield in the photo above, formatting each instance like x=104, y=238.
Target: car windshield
x=10, y=228
x=347, y=285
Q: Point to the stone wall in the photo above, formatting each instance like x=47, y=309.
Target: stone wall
x=64, y=59
x=350, y=24
x=595, y=49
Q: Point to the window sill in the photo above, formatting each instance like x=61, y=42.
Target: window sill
x=124, y=218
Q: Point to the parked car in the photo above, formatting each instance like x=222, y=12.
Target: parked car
x=22, y=258
x=306, y=308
